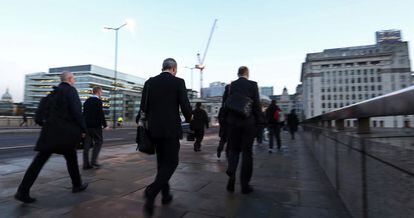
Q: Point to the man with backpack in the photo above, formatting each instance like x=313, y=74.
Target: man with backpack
x=60, y=115
x=274, y=118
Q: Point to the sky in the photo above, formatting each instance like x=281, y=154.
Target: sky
x=271, y=37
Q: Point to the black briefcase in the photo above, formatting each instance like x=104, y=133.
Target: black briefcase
x=144, y=142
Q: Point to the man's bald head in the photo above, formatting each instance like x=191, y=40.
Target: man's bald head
x=67, y=77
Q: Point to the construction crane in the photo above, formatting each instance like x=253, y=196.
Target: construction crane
x=201, y=60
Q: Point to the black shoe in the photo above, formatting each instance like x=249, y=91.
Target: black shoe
x=80, y=188
x=167, y=199
x=95, y=165
x=149, y=204
x=246, y=190
x=149, y=208
x=24, y=198
x=87, y=167
x=231, y=182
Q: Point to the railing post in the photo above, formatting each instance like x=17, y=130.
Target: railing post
x=340, y=124
x=363, y=125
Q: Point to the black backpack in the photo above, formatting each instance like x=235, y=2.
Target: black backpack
x=51, y=107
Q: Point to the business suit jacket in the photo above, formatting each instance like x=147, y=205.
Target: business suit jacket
x=200, y=119
x=93, y=113
x=63, y=134
x=166, y=94
x=249, y=89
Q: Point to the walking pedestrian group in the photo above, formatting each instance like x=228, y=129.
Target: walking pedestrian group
x=164, y=98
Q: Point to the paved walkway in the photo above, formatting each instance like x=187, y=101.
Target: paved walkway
x=287, y=184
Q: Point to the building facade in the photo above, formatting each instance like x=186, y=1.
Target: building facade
x=6, y=104
x=126, y=97
x=266, y=90
x=215, y=89
x=338, y=77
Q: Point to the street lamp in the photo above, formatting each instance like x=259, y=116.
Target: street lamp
x=115, y=67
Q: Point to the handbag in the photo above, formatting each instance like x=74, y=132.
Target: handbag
x=239, y=104
x=144, y=143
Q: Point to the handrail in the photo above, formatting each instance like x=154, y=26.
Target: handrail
x=400, y=102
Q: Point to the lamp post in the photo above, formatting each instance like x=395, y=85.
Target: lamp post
x=115, y=67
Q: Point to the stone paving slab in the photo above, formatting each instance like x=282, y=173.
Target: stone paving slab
x=288, y=183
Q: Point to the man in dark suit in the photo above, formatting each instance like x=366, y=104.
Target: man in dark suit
x=73, y=116
x=200, y=120
x=95, y=121
x=242, y=131
x=274, y=126
x=166, y=95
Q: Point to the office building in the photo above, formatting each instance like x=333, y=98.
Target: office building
x=126, y=98
x=335, y=78
x=215, y=89
x=266, y=90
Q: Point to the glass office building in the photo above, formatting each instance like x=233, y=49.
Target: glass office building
x=127, y=94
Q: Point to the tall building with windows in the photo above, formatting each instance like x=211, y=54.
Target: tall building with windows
x=215, y=89
x=127, y=95
x=266, y=90
x=338, y=77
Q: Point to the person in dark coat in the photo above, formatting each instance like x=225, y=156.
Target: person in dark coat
x=222, y=133
x=73, y=129
x=199, y=122
x=274, y=126
x=24, y=120
x=292, y=122
x=95, y=121
x=166, y=95
x=242, y=131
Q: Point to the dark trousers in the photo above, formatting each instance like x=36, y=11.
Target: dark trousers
x=37, y=165
x=167, y=161
x=199, y=135
x=222, y=143
x=241, y=140
x=92, y=139
x=292, y=131
x=274, y=132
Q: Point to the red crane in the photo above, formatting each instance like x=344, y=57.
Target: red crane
x=200, y=64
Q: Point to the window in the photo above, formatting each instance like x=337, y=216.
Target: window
x=353, y=96
x=379, y=87
x=353, y=88
x=372, y=79
x=372, y=88
x=359, y=88
x=359, y=80
x=347, y=88
x=365, y=80
x=323, y=105
x=379, y=79
x=323, y=97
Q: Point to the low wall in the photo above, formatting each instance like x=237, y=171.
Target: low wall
x=373, y=179
x=11, y=121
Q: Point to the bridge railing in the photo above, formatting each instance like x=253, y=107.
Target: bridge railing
x=396, y=103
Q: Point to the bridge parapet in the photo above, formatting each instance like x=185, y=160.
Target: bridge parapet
x=371, y=169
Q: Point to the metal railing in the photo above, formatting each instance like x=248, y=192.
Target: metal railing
x=396, y=103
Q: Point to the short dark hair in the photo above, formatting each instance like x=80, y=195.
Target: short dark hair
x=273, y=102
x=198, y=104
x=96, y=89
x=168, y=64
x=243, y=70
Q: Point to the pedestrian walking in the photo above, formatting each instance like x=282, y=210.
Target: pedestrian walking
x=222, y=133
x=198, y=123
x=274, y=118
x=95, y=121
x=242, y=103
x=292, y=122
x=165, y=95
x=24, y=120
x=120, y=121
x=60, y=115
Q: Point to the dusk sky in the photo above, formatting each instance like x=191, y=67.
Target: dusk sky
x=270, y=37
